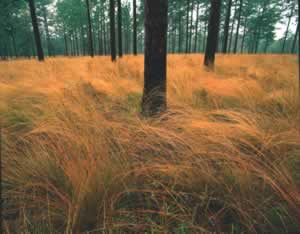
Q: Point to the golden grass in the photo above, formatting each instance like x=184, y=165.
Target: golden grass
x=78, y=157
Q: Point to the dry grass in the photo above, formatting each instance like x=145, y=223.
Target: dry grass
x=78, y=157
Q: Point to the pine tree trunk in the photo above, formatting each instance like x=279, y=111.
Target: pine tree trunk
x=187, y=27
x=91, y=46
x=231, y=30
x=196, y=28
x=76, y=43
x=191, y=28
x=14, y=44
x=49, y=45
x=213, y=32
x=112, y=31
x=180, y=37
x=244, y=35
x=66, y=43
x=205, y=36
x=156, y=24
x=295, y=39
x=134, y=29
x=120, y=43
x=238, y=27
x=287, y=30
x=226, y=27
x=36, y=31
x=266, y=46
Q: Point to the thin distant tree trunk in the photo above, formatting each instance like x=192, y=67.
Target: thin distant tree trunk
x=295, y=39
x=100, y=39
x=180, y=36
x=112, y=31
x=106, y=39
x=66, y=43
x=82, y=40
x=287, y=28
x=134, y=29
x=238, y=27
x=256, y=47
x=76, y=43
x=187, y=27
x=244, y=35
x=196, y=28
x=14, y=44
x=213, y=32
x=191, y=28
x=204, y=36
x=155, y=87
x=266, y=46
x=226, y=27
x=91, y=45
x=36, y=31
x=174, y=38
x=120, y=43
x=49, y=45
x=231, y=30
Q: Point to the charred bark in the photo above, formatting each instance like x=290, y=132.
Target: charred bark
x=156, y=23
x=213, y=32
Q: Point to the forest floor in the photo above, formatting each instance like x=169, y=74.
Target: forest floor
x=77, y=156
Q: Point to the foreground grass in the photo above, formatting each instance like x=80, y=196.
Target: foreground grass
x=78, y=157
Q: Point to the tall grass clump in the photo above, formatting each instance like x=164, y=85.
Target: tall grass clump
x=77, y=156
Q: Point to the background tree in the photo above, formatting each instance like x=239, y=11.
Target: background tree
x=134, y=29
x=156, y=24
x=36, y=31
x=120, y=28
x=91, y=46
x=226, y=26
x=112, y=31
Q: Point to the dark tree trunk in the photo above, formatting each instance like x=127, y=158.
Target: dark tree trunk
x=238, y=27
x=112, y=31
x=295, y=39
x=120, y=29
x=287, y=29
x=134, y=29
x=187, y=27
x=213, y=32
x=155, y=87
x=36, y=31
x=91, y=45
x=226, y=27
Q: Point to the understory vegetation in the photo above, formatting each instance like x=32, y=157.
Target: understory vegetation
x=78, y=157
